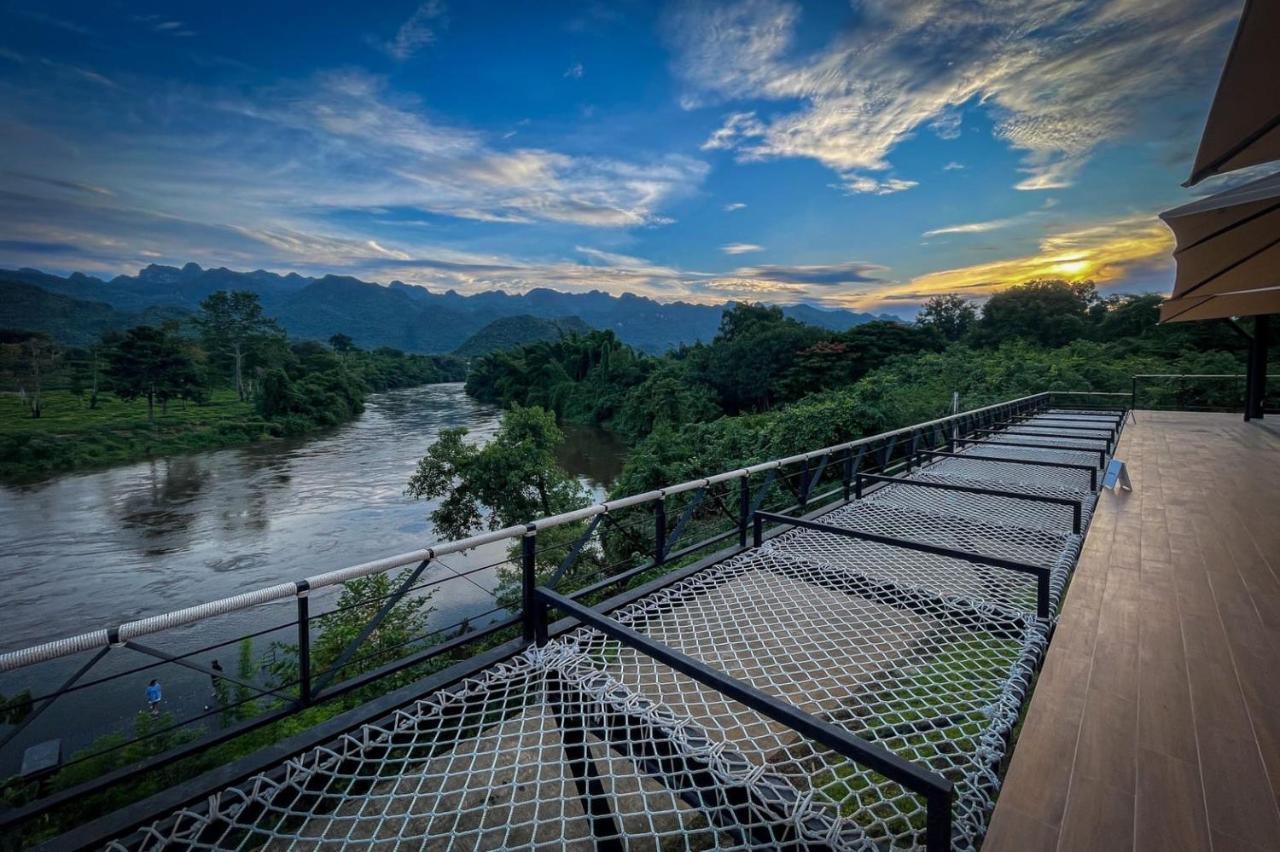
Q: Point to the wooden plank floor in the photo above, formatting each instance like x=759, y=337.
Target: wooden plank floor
x=1155, y=723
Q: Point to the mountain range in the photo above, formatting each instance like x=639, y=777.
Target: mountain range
x=399, y=315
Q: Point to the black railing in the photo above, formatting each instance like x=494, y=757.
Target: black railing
x=633, y=542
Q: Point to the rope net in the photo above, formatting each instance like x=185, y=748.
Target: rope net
x=587, y=738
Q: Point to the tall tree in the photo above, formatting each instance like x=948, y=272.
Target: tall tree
x=951, y=315
x=154, y=363
x=233, y=325
x=342, y=344
x=39, y=355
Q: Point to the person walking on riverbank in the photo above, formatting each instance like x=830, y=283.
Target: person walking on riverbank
x=153, y=697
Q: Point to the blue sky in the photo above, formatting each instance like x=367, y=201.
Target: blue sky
x=863, y=154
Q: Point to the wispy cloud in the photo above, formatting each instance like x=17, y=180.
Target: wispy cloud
x=1059, y=77
x=737, y=205
x=1106, y=252
x=952, y=166
x=821, y=275
x=741, y=248
x=343, y=141
x=420, y=30
x=855, y=183
x=61, y=184
x=575, y=71
x=975, y=227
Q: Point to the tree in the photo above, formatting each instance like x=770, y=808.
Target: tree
x=755, y=348
x=233, y=325
x=1047, y=312
x=510, y=480
x=342, y=344
x=949, y=315
x=39, y=355
x=156, y=364
x=277, y=397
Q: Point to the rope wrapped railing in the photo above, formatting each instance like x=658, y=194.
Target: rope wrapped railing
x=114, y=635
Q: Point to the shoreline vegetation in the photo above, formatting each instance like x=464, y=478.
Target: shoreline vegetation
x=227, y=377
x=768, y=387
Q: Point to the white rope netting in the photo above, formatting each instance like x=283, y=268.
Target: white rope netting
x=929, y=656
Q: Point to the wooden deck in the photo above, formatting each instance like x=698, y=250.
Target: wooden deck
x=1155, y=723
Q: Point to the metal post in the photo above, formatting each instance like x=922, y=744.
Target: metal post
x=1133, y=394
x=757, y=530
x=660, y=531
x=529, y=581
x=304, y=643
x=955, y=409
x=938, y=822
x=846, y=478
x=857, y=486
x=804, y=485
x=1256, y=372
x=586, y=777
x=744, y=509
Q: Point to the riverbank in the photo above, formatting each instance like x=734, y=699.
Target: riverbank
x=70, y=436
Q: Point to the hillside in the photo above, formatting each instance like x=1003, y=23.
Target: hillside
x=401, y=315
x=510, y=332
x=74, y=322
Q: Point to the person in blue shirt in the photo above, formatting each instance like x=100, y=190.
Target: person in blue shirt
x=153, y=697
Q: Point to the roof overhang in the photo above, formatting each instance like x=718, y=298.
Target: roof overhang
x=1228, y=245
x=1222, y=306
x=1243, y=128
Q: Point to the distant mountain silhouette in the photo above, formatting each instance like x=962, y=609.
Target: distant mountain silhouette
x=510, y=332
x=400, y=315
x=74, y=322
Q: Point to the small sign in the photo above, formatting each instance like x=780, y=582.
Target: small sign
x=41, y=759
x=1117, y=476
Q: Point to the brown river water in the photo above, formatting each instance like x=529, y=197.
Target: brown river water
x=94, y=549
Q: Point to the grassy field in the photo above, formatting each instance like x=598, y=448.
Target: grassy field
x=70, y=435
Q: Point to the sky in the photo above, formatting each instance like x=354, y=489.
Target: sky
x=864, y=154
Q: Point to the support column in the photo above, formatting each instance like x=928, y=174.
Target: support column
x=1256, y=380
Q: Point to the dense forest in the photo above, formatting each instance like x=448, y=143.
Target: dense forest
x=227, y=375
x=768, y=386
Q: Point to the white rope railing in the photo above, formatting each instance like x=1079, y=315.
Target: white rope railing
x=152, y=624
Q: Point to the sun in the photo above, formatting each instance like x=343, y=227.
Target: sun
x=1072, y=267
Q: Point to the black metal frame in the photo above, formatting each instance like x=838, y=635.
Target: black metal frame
x=1040, y=572
x=1090, y=469
x=1102, y=454
x=851, y=480
x=937, y=791
x=1076, y=506
x=1006, y=432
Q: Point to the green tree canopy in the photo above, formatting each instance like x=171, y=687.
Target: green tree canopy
x=234, y=327
x=950, y=315
x=156, y=364
x=511, y=480
x=1048, y=312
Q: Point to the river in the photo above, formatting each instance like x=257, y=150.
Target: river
x=94, y=549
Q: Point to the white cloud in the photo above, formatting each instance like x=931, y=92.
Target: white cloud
x=856, y=184
x=952, y=166
x=1059, y=77
x=575, y=71
x=737, y=205
x=975, y=227
x=418, y=31
x=741, y=248
x=346, y=142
